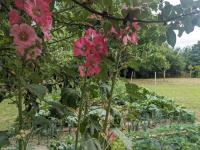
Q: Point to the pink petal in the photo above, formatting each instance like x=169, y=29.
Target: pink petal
x=134, y=38
x=20, y=4
x=125, y=39
x=14, y=17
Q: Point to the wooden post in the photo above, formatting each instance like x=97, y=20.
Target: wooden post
x=155, y=78
x=131, y=76
x=164, y=74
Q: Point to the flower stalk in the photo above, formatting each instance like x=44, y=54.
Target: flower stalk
x=110, y=97
x=81, y=108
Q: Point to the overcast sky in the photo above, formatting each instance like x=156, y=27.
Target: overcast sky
x=186, y=39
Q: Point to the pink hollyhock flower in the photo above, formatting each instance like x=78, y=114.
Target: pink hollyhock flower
x=46, y=32
x=136, y=26
x=14, y=17
x=89, y=71
x=113, y=30
x=24, y=35
x=91, y=66
x=82, y=47
x=100, y=45
x=125, y=39
x=20, y=4
x=111, y=136
x=127, y=29
x=92, y=70
x=39, y=11
x=33, y=53
x=48, y=1
x=82, y=71
x=92, y=46
x=134, y=38
x=92, y=59
x=90, y=34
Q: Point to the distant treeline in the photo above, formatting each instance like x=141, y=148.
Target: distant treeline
x=167, y=62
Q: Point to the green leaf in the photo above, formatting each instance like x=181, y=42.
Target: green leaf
x=171, y=37
x=41, y=121
x=188, y=26
x=57, y=109
x=37, y=90
x=70, y=97
x=134, y=91
x=187, y=3
x=167, y=10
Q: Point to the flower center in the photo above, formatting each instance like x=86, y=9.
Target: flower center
x=84, y=48
x=36, y=11
x=98, y=47
x=23, y=36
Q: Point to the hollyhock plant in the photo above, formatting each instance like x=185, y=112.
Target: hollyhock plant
x=82, y=47
x=41, y=14
x=90, y=34
x=134, y=38
x=39, y=11
x=32, y=52
x=125, y=39
x=93, y=47
x=91, y=66
x=89, y=71
x=100, y=45
x=24, y=35
x=92, y=59
x=136, y=26
x=126, y=35
x=14, y=17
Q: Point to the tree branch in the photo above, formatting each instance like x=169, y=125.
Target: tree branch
x=76, y=24
x=64, y=10
x=111, y=17
x=61, y=39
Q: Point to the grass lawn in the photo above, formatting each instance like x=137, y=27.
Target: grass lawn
x=186, y=92
x=8, y=113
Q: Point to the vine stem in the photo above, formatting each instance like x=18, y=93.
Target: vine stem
x=114, y=77
x=80, y=111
